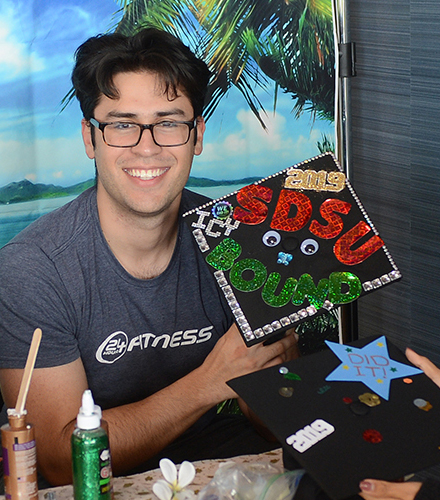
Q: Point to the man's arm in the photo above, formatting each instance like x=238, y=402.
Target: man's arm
x=137, y=431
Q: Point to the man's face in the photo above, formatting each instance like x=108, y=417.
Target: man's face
x=146, y=179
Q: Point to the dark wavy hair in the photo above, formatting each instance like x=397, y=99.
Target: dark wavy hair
x=100, y=58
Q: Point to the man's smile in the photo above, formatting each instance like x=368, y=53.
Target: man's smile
x=145, y=174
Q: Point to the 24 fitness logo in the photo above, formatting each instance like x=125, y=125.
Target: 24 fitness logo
x=118, y=343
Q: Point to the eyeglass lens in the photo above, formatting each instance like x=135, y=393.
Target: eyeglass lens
x=129, y=134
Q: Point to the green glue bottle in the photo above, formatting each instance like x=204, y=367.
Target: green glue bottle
x=92, y=473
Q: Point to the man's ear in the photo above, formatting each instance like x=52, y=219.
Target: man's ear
x=86, y=130
x=199, y=132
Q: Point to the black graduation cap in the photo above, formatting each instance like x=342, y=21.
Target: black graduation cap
x=291, y=246
x=348, y=413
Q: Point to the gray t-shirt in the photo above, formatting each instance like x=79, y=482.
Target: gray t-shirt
x=134, y=336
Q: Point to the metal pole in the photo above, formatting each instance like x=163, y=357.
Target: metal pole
x=344, y=54
x=345, y=94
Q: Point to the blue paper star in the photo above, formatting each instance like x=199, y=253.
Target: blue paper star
x=370, y=365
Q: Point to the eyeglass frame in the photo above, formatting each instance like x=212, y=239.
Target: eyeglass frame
x=150, y=126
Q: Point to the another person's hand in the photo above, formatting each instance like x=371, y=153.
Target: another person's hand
x=424, y=364
x=382, y=490
x=372, y=489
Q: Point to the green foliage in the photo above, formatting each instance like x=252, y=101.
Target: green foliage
x=314, y=332
x=230, y=406
x=326, y=146
x=250, y=45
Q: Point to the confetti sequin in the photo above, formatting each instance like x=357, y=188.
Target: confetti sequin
x=422, y=404
x=369, y=399
x=359, y=409
x=372, y=436
x=286, y=392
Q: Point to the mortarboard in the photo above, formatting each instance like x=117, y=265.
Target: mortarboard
x=291, y=246
x=348, y=413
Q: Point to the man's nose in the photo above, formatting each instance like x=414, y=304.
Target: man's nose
x=146, y=143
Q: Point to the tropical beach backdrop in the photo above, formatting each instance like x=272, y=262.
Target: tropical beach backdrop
x=270, y=104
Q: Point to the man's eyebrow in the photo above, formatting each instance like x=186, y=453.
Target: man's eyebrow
x=158, y=114
x=120, y=114
x=170, y=112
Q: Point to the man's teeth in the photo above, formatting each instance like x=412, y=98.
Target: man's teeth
x=145, y=174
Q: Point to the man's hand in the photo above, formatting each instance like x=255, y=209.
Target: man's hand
x=141, y=429
x=231, y=358
x=372, y=489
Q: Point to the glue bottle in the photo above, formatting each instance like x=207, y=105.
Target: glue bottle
x=92, y=474
x=19, y=458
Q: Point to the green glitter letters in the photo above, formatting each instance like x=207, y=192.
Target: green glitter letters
x=223, y=256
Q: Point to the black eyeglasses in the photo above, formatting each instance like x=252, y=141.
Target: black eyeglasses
x=166, y=134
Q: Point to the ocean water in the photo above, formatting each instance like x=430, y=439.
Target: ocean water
x=16, y=216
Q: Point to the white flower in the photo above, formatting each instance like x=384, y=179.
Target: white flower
x=173, y=486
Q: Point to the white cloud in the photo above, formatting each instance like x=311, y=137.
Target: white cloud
x=253, y=151
x=17, y=57
x=31, y=42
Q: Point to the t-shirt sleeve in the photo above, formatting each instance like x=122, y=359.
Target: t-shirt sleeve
x=32, y=295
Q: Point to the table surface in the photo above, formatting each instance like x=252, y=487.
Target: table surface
x=141, y=485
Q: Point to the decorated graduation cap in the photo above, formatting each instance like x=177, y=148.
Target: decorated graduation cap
x=348, y=413
x=291, y=246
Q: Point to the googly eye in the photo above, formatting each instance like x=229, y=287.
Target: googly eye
x=271, y=238
x=309, y=247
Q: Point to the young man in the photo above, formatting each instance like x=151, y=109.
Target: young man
x=126, y=303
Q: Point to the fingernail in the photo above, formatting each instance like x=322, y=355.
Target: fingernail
x=366, y=486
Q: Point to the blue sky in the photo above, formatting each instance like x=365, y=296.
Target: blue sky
x=42, y=144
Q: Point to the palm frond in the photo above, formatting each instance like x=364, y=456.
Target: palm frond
x=248, y=43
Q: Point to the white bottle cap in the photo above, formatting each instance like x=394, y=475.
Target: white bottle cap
x=89, y=416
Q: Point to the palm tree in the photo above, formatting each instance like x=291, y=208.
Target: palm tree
x=251, y=43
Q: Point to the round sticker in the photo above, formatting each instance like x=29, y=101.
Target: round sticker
x=221, y=210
